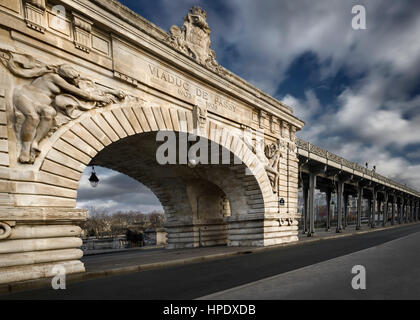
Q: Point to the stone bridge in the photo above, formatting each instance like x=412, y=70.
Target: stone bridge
x=87, y=83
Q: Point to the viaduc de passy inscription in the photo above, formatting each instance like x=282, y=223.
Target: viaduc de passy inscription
x=95, y=90
x=192, y=92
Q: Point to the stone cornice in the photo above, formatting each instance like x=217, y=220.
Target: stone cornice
x=44, y=214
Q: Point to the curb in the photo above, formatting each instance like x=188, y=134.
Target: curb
x=73, y=278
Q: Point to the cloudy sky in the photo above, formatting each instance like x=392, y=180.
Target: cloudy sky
x=357, y=90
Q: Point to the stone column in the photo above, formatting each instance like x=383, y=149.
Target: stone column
x=385, y=212
x=399, y=209
x=340, y=187
x=379, y=210
x=359, y=207
x=328, y=198
x=413, y=205
x=346, y=210
x=305, y=192
x=394, y=202
x=418, y=208
x=370, y=210
x=312, y=184
x=410, y=217
x=374, y=208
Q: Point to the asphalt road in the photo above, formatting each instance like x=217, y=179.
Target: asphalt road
x=201, y=279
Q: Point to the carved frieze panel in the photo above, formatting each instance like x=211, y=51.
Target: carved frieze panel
x=101, y=43
x=51, y=96
x=82, y=32
x=262, y=119
x=34, y=14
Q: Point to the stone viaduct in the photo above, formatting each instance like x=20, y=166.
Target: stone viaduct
x=92, y=83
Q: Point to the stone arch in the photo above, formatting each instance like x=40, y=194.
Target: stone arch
x=71, y=148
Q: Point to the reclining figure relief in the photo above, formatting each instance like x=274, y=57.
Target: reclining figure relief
x=56, y=95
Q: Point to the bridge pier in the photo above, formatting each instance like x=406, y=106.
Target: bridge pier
x=394, y=203
x=346, y=210
x=359, y=207
x=328, y=201
x=401, y=210
x=305, y=192
x=312, y=184
x=385, y=210
x=340, y=187
x=374, y=208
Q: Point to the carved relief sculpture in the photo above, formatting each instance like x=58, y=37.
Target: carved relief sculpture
x=272, y=154
x=193, y=39
x=199, y=117
x=56, y=95
x=270, y=157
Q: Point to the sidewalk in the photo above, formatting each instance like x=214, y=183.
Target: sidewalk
x=102, y=265
x=107, y=251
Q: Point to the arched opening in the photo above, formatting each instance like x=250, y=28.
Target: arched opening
x=197, y=199
x=123, y=213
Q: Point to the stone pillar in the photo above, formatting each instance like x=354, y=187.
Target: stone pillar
x=312, y=184
x=394, y=202
x=370, y=210
x=410, y=212
x=346, y=210
x=340, y=187
x=400, y=210
x=359, y=207
x=305, y=191
x=413, y=204
x=379, y=210
x=328, y=199
x=374, y=208
x=418, y=208
x=385, y=212
x=33, y=241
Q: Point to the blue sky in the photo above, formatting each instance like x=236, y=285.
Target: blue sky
x=357, y=91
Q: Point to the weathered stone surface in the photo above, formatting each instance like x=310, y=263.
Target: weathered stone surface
x=114, y=89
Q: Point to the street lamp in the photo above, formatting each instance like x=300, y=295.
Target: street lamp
x=192, y=160
x=93, y=178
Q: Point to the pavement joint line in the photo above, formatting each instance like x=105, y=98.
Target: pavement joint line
x=74, y=278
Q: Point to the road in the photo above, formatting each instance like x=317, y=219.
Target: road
x=202, y=279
